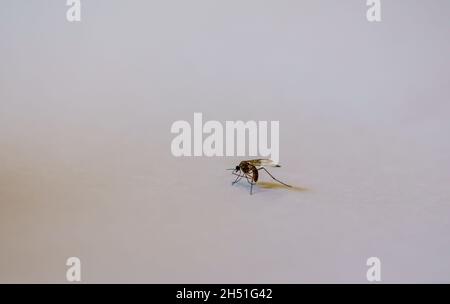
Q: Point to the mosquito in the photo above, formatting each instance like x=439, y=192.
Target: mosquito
x=250, y=168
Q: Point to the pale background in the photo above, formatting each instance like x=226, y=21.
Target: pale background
x=85, y=162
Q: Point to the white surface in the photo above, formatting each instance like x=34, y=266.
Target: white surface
x=86, y=109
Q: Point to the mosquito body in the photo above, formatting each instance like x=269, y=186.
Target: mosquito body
x=249, y=169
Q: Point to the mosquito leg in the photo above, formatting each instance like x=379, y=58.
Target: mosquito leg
x=274, y=177
x=251, y=184
x=238, y=178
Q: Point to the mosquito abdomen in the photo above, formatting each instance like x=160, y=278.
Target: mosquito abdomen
x=255, y=174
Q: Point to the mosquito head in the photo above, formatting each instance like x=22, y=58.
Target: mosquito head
x=237, y=168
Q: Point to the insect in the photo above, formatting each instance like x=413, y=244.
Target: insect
x=250, y=170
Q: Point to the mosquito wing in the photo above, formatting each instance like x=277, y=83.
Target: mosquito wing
x=263, y=163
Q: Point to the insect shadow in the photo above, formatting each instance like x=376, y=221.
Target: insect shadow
x=272, y=185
